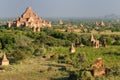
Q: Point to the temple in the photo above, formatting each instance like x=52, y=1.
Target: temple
x=72, y=49
x=5, y=61
x=29, y=19
x=60, y=22
x=94, y=41
x=102, y=23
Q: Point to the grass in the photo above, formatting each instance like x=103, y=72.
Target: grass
x=110, y=55
x=32, y=69
x=37, y=68
x=109, y=59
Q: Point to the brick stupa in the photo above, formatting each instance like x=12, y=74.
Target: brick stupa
x=29, y=19
x=60, y=22
x=102, y=23
x=72, y=48
x=5, y=61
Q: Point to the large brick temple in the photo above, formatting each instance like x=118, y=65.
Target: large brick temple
x=29, y=19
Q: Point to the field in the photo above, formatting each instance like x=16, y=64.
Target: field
x=46, y=55
x=38, y=68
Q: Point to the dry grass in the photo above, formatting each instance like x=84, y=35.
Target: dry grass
x=32, y=69
x=37, y=68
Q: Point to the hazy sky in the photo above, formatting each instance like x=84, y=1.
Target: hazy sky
x=60, y=8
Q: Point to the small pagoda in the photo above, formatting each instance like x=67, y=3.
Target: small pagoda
x=102, y=24
x=60, y=22
x=92, y=39
x=72, y=48
x=5, y=61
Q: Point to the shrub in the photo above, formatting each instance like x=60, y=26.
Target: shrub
x=73, y=75
x=86, y=75
x=115, y=70
x=7, y=41
x=86, y=42
x=80, y=75
x=21, y=53
x=116, y=43
x=108, y=39
x=75, y=59
x=51, y=41
x=72, y=37
x=59, y=35
x=39, y=52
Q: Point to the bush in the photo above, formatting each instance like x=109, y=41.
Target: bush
x=18, y=55
x=51, y=41
x=85, y=40
x=108, y=39
x=73, y=75
x=80, y=75
x=72, y=37
x=7, y=41
x=59, y=35
x=21, y=53
x=39, y=52
x=75, y=59
x=115, y=70
x=86, y=75
x=116, y=43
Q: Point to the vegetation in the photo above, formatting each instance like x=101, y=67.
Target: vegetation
x=45, y=55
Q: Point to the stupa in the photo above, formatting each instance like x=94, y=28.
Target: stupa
x=72, y=49
x=5, y=61
x=102, y=23
x=92, y=39
x=96, y=23
x=81, y=25
x=60, y=22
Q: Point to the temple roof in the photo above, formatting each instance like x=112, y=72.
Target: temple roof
x=29, y=13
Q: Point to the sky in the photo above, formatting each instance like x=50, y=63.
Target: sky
x=60, y=8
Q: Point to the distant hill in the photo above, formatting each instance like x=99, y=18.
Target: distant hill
x=112, y=16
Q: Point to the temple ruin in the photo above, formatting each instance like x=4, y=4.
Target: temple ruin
x=60, y=22
x=97, y=64
x=5, y=61
x=72, y=48
x=96, y=23
x=81, y=25
x=29, y=19
x=102, y=24
x=97, y=68
x=104, y=44
x=94, y=41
